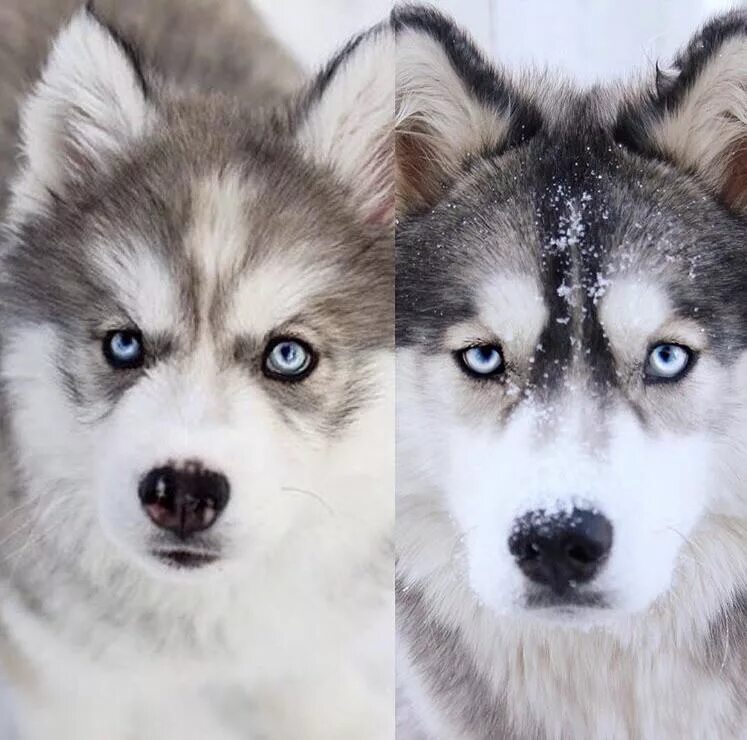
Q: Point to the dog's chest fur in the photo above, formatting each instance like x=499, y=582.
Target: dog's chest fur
x=521, y=682
x=228, y=670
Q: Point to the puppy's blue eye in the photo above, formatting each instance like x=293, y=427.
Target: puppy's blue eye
x=483, y=359
x=288, y=359
x=124, y=349
x=668, y=361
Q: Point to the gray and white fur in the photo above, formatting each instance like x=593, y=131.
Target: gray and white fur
x=581, y=240
x=171, y=183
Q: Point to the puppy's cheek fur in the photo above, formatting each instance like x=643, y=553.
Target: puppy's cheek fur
x=51, y=443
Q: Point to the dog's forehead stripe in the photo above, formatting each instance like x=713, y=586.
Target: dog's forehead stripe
x=572, y=227
x=217, y=238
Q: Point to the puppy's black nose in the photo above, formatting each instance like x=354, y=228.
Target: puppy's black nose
x=561, y=550
x=184, y=500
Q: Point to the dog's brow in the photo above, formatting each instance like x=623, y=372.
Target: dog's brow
x=513, y=307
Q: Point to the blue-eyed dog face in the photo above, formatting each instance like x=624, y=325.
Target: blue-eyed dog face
x=197, y=303
x=571, y=324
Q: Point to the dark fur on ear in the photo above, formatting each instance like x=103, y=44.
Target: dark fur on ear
x=128, y=47
x=345, y=121
x=330, y=69
x=452, y=105
x=482, y=79
x=88, y=104
x=694, y=115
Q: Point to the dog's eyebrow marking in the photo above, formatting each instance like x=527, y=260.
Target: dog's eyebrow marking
x=142, y=284
x=244, y=289
x=634, y=312
x=632, y=308
x=272, y=293
x=512, y=307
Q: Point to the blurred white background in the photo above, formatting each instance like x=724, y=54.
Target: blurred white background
x=315, y=29
x=589, y=39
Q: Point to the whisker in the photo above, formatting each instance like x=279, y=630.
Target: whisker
x=310, y=494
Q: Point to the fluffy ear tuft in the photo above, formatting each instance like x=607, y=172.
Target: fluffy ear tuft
x=451, y=105
x=91, y=100
x=695, y=114
x=348, y=122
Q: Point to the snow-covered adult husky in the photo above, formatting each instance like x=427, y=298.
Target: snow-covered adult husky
x=196, y=357
x=572, y=373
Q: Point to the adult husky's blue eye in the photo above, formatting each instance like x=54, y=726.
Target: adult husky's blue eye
x=668, y=361
x=124, y=349
x=483, y=360
x=288, y=359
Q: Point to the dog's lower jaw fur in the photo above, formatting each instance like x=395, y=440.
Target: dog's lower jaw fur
x=279, y=654
x=674, y=671
x=223, y=696
x=295, y=644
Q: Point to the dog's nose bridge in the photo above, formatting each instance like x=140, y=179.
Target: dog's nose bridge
x=573, y=422
x=200, y=393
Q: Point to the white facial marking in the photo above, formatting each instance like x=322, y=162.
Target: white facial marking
x=654, y=484
x=141, y=283
x=635, y=312
x=217, y=240
x=275, y=292
x=511, y=310
x=514, y=305
x=633, y=308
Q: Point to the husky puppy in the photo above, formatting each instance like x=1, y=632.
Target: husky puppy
x=572, y=374
x=206, y=44
x=197, y=366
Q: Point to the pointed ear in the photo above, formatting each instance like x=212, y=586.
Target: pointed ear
x=347, y=122
x=451, y=105
x=91, y=100
x=695, y=115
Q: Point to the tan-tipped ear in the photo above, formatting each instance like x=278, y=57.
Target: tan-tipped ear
x=695, y=114
x=451, y=105
x=347, y=122
x=90, y=102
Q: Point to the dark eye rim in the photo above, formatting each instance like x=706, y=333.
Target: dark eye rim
x=116, y=362
x=692, y=357
x=301, y=376
x=499, y=372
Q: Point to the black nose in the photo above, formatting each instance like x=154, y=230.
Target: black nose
x=561, y=550
x=185, y=499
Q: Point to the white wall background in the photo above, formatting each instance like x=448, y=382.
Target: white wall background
x=589, y=39
x=315, y=29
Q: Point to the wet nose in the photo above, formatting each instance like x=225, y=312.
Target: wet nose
x=184, y=499
x=561, y=550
